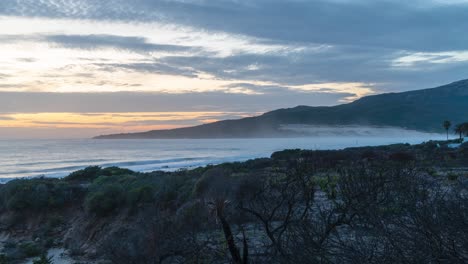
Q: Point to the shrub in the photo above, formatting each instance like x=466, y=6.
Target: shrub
x=109, y=193
x=9, y=244
x=91, y=173
x=34, y=194
x=3, y=259
x=30, y=249
x=43, y=260
x=174, y=190
x=402, y=157
x=143, y=194
x=115, y=171
x=328, y=185
x=55, y=221
x=105, y=200
x=287, y=154
x=431, y=171
x=452, y=176
x=369, y=154
x=87, y=174
x=21, y=194
x=464, y=149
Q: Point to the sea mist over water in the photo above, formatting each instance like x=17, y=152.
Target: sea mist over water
x=57, y=158
x=352, y=131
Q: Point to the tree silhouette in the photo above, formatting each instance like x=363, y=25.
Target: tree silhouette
x=447, y=126
x=461, y=129
x=217, y=189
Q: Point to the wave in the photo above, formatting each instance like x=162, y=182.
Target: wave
x=165, y=155
x=39, y=171
x=147, y=162
x=61, y=162
x=135, y=165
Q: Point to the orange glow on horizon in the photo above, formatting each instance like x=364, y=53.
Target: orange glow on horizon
x=124, y=122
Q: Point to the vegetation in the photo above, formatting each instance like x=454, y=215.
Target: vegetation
x=3, y=259
x=43, y=260
x=388, y=204
x=30, y=249
x=447, y=124
x=462, y=129
x=92, y=172
x=105, y=199
x=36, y=194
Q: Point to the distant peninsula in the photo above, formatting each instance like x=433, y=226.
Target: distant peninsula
x=421, y=110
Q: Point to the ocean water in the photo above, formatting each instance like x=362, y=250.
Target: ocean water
x=57, y=158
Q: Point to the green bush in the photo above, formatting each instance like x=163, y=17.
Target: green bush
x=34, y=194
x=452, y=176
x=91, y=173
x=142, y=194
x=43, y=260
x=401, y=156
x=3, y=259
x=105, y=200
x=328, y=185
x=30, y=249
x=55, y=221
x=111, y=189
x=87, y=174
x=431, y=171
x=115, y=171
x=287, y=154
x=9, y=244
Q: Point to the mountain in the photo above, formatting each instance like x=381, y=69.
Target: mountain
x=422, y=110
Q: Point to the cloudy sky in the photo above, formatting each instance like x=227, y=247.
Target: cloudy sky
x=77, y=68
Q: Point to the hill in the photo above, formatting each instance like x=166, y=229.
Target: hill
x=422, y=110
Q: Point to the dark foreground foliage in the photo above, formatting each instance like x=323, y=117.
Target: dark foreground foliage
x=390, y=204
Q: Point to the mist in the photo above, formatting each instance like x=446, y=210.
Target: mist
x=357, y=131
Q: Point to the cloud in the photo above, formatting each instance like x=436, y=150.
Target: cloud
x=4, y=76
x=266, y=50
x=388, y=24
x=32, y=102
x=128, y=124
x=385, y=24
x=112, y=41
x=99, y=41
x=347, y=64
x=425, y=58
x=9, y=86
x=153, y=67
x=226, y=58
x=6, y=118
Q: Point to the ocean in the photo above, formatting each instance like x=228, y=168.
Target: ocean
x=57, y=158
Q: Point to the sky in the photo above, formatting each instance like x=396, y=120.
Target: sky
x=80, y=68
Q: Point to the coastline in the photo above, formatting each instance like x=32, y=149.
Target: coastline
x=86, y=209
x=167, y=155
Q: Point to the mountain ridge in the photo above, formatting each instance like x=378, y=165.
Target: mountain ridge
x=422, y=110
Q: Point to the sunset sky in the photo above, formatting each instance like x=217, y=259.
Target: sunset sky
x=79, y=68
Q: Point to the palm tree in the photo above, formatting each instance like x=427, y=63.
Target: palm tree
x=461, y=129
x=447, y=126
x=217, y=207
